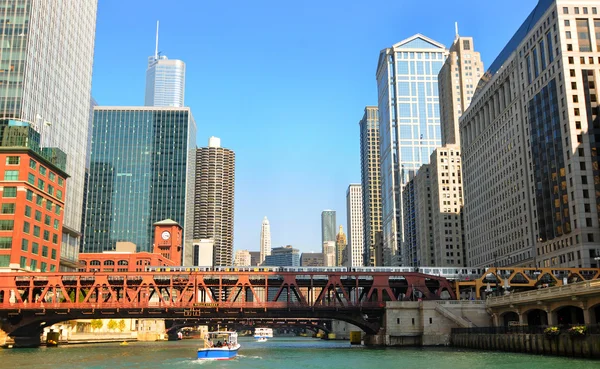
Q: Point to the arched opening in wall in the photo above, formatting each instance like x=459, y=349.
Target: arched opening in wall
x=537, y=317
x=595, y=314
x=569, y=315
x=510, y=316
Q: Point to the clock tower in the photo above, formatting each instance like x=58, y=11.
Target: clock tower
x=168, y=240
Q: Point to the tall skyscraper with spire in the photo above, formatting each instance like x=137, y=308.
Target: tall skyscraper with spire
x=265, y=240
x=341, y=242
x=165, y=80
x=53, y=95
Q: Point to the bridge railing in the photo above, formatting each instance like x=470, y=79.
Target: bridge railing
x=524, y=329
x=546, y=293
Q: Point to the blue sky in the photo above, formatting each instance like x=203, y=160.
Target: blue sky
x=283, y=84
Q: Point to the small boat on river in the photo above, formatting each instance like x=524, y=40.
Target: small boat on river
x=262, y=339
x=263, y=332
x=220, y=345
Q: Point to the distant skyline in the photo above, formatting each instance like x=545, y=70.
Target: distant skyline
x=285, y=86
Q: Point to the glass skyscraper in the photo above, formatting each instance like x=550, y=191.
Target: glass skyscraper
x=140, y=160
x=409, y=121
x=165, y=80
x=46, y=79
x=327, y=225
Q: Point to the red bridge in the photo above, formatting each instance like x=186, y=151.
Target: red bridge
x=29, y=302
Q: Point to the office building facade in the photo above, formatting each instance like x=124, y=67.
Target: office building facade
x=32, y=202
x=140, y=157
x=529, y=144
x=283, y=256
x=329, y=254
x=328, y=225
x=311, y=259
x=457, y=82
x=53, y=96
x=409, y=126
x=370, y=172
x=214, y=202
x=165, y=80
x=265, y=240
x=354, y=212
x=242, y=258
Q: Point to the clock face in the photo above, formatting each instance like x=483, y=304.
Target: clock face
x=166, y=235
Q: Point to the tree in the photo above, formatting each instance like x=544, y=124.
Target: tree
x=112, y=325
x=121, y=325
x=96, y=324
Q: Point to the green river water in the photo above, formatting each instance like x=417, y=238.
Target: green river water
x=304, y=353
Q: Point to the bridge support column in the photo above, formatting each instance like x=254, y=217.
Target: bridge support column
x=375, y=339
x=551, y=317
x=496, y=320
x=522, y=318
x=587, y=317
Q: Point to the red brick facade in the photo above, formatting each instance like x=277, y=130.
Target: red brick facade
x=32, y=208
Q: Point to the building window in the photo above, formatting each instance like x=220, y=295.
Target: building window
x=8, y=208
x=36, y=231
x=49, y=205
x=26, y=227
x=59, y=194
x=43, y=267
x=57, y=210
x=31, y=179
x=5, y=242
x=29, y=195
x=13, y=160
x=9, y=192
x=35, y=248
x=61, y=181
x=23, y=263
x=24, y=245
x=51, y=190
x=52, y=176
x=4, y=260
x=47, y=220
x=583, y=35
x=56, y=223
x=45, y=251
x=46, y=235
x=33, y=265
x=28, y=211
x=41, y=184
x=53, y=254
x=42, y=170
x=55, y=239
x=32, y=163
x=38, y=215
x=39, y=200
x=6, y=224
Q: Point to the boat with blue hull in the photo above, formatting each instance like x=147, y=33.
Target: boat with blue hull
x=221, y=345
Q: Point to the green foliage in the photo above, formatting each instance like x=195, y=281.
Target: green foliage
x=578, y=330
x=112, y=325
x=121, y=325
x=552, y=331
x=96, y=323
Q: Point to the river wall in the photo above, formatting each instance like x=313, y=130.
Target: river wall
x=587, y=346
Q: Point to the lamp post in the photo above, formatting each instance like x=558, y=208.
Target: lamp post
x=496, y=269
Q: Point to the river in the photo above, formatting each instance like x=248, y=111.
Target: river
x=303, y=353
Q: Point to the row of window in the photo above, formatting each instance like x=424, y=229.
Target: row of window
x=42, y=170
x=35, y=249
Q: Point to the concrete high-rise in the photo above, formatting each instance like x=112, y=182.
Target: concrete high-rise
x=213, y=205
x=283, y=256
x=341, y=242
x=53, y=96
x=165, y=80
x=329, y=255
x=354, y=211
x=457, y=81
x=242, y=258
x=328, y=225
x=409, y=126
x=265, y=239
x=139, y=164
x=370, y=173
x=529, y=144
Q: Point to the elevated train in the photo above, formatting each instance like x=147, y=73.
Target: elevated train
x=448, y=273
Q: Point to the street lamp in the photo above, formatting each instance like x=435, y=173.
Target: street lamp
x=496, y=269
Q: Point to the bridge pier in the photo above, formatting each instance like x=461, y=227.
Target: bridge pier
x=27, y=341
x=378, y=339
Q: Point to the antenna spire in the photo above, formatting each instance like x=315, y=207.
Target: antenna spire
x=455, y=29
x=156, y=50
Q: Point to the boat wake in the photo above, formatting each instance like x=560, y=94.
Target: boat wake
x=249, y=357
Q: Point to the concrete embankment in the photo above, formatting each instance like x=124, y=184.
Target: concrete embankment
x=587, y=346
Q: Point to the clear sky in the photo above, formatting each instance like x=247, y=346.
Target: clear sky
x=283, y=84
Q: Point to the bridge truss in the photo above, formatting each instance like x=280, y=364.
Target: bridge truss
x=31, y=301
